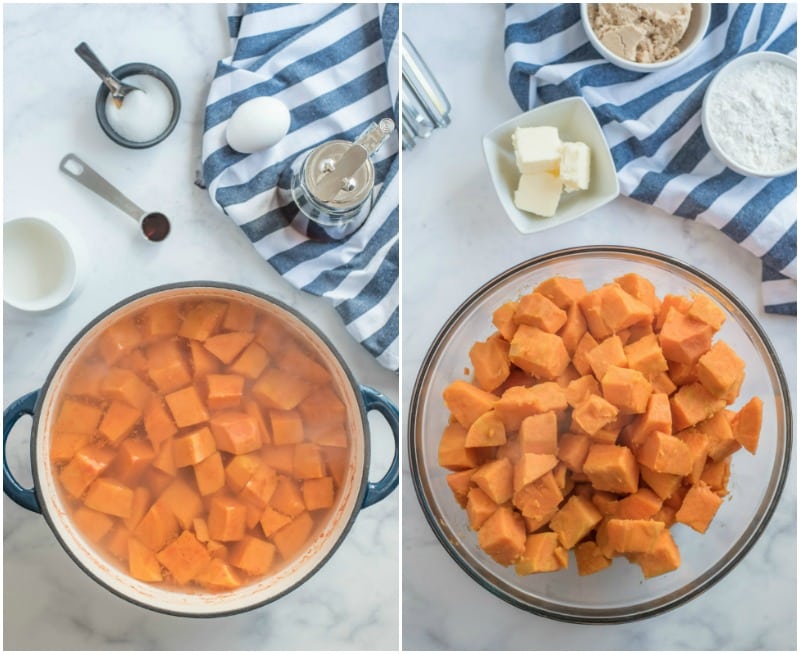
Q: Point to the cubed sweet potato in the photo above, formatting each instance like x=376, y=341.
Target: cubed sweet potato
x=185, y=557
x=318, y=493
x=580, y=358
x=531, y=467
x=594, y=413
x=293, y=538
x=538, y=434
x=158, y=526
x=479, y=507
x=86, y=466
x=65, y=444
x=612, y=468
x=218, y=575
x=167, y=366
x=252, y=555
x=698, y=444
x=308, y=461
x=203, y=320
x=496, y=479
x=641, y=505
x=126, y=386
x=721, y=440
x=259, y=489
x=487, y=430
x=684, y=339
x=503, y=319
x=620, y=310
x=574, y=520
x=610, y=352
x=645, y=355
x=224, y=391
x=294, y=360
x=591, y=305
x=538, y=352
x=590, y=558
x=706, y=310
x=563, y=291
x=662, y=484
x=229, y=345
x=118, y=339
x=627, y=536
x=251, y=362
x=210, y=474
x=142, y=562
x=110, y=496
x=78, y=417
x=573, y=448
x=158, y=423
x=543, y=553
x=133, y=457
x=287, y=427
x=640, y=288
x=235, y=432
x=226, y=519
x=699, y=507
x=272, y=520
x=663, y=557
x=118, y=421
x=467, y=402
x=692, y=404
x=503, y=536
x=490, y=363
x=746, y=424
x=278, y=389
x=719, y=369
x=184, y=502
x=193, y=447
x=539, y=311
x=287, y=498
x=453, y=453
x=186, y=407
x=665, y=453
x=159, y=320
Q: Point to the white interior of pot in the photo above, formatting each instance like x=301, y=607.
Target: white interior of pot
x=196, y=602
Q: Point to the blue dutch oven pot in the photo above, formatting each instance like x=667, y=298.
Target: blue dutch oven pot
x=356, y=490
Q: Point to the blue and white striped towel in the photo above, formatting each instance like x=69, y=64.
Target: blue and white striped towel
x=335, y=67
x=652, y=123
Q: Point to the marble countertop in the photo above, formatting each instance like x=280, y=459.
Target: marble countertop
x=455, y=237
x=49, y=603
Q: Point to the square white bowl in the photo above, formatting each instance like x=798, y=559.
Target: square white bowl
x=575, y=122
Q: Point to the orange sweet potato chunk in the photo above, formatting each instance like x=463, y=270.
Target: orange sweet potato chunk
x=287, y=498
x=538, y=434
x=490, y=362
x=594, y=413
x=590, y=558
x=110, y=496
x=642, y=504
x=224, y=391
x=665, y=453
x=167, y=366
x=118, y=421
x=503, y=319
x=610, y=352
x=78, y=417
x=479, y=507
x=591, y=306
x=503, y=536
x=467, y=402
x=538, y=352
x=226, y=519
x=573, y=329
x=543, y=553
x=487, y=430
x=193, y=447
x=318, y=493
x=539, y=499
x=719, y=369
x=294, y=360
x=518, y=402
x=239, y=471
x=663, y=557
x=699, y=507
x=252, y=555
x=278, y=389
x=657, y=417
x=620, y=310
x=573, y=449
x=496, y=479
x=142, y=562
x=692, y=404
x=612, y=468
x=251, y=363
x=645, y=355
x=185, y=557
x=453, y=454
x=158, y=423
x=203, y=320
x=226, y=347
x=157, y=527
x=531, y=467
x=118, y=339
x=133, y=457
x=721, y=441
x=706, y=310
x=259, y=490
x=574, y=520
x=287, y=427
x=539, y=311
x=65, y=444
x=627, y=535
x=186, y=407
x=218, y=575
x=183, y=501
x=272, y=520
x=580, y=357
x=126, y=386
x=292, y=538
x=684, y=339
x=563, y=291
x=86, y=466
x=640, y=288
x=308, y=461
x=210, y=474
x=746, y=424
x=235, y=432
x=160, y=320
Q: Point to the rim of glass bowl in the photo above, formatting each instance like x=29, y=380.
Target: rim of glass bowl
x=639, y=610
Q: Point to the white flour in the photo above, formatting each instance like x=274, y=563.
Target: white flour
x=753, y=116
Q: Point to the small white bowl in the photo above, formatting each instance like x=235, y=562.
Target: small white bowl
x=575, y=122
x=698, y=24
x=40, y=269
x=728, y=69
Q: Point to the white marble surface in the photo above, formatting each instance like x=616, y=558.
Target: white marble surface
x=455, y=237
x=48, y=107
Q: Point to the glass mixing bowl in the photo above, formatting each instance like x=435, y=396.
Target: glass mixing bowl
x=618, y=593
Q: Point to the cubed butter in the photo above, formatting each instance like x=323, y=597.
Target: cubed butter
x=538, y=149
x=538, y=193
x=574, y=168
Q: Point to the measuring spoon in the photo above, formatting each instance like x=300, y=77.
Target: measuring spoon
x=117, y=88
x=153, y=225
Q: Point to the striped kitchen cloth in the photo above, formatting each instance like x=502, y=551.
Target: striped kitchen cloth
x=652, y=123
x=335, y=68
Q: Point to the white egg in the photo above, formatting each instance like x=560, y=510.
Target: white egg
x=258, y=124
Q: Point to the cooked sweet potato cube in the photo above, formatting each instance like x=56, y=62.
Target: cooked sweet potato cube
x=684, y=339
x=581, y=388
x=167, y=366
x=271, y=334
x=158, y=526
x=183, y=501
x=657, y=417
x=715, y=475
x=707, y=311
x=86, y=378
x=663, y=384
x=531, y=467
x=217, y=550
x=292, y=539
x=86, y=466
x=509, y=450
x=185, y=557
x=679, y=303
x=503, y=319
x=226, y=347
x=117, y=542
x=626, y=389
x=538, y=352
x=620, y=310
x=235, y=432
x=467, y=402
x=278, y=389
x=628, y=536
x=721, y=441
x=226, y=519
x=609, y=352
x=322, y=408
x=538, y=434
x=719, y=369
x=612, y=468
x=239, y=471
x=496, y=479
x=253, y=514
x=519, y=402
x=281, y=458
x=92, y=524
x=65, y=444
x=159, y=320
x=293, y=360
x=699, y=507
x=541, y=498
x=490, y=362
x=662, y=484
x=563, y=291
x=542, y=553
x=117, y=339
x=260, y=488
x=78, y=417
x=640, y=288
x=573, y=329
x=662, y=558
x=193, y=447
x=110, y=496
x=746, y=424
x=594, y=413
x=591, y=306
x=203, y=320
x=118, y=421
x=287, y=427
x=239, y=317
x=487, y=430
x=698, y=444
x=126, y=386
x=580, y=358
x=503, y=535
x=539, y=311
x=157, y=479
x=692, y=404
x=200, y=527
x=158, y=423
x=479, y=507
x=532, y=525
x=453, y=454
x=308, y=461
x=210, y=474
x=186, y=407
x=165, y=458
x=318, y=493
x=272, y=520
x=134, y=361
x=202, y=361
x=139, y=506
x=645, y=355
x=460, y=482
x=590, y=558
x=605, y=502
x=142, y=562
x=573, y=449
x=665, y=453
x=251, y=363
x=132, y=459
x=641, y=505
x=287, y=498
x=224, y=391
x=574, y=520
x=218, y=575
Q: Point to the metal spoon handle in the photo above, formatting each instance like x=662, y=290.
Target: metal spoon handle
x=81, y=172
x=88, y=55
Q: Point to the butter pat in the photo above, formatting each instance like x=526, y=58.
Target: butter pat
x=574, y=168
x=538, y=193
x=538, y=149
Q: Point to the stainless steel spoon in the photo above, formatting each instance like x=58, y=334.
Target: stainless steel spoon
x=118, y=89
x=153, y=225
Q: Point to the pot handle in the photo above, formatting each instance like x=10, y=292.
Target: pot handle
x=375, y=400
x=25, y=497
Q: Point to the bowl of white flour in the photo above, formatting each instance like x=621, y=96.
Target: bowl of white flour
x=749, y=114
